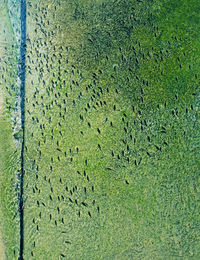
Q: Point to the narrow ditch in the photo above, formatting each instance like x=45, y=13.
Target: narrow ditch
x=22, y=75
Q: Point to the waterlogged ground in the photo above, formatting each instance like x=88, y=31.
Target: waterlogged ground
x=111, y=131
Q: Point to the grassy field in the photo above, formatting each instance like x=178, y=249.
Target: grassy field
x=9, y=152
x=111, y=130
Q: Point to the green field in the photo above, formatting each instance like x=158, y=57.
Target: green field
x=9, y=149
x=111, y=161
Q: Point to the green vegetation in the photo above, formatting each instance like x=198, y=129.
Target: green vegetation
x=9, y=152
x=9, y=164
x=111, y=130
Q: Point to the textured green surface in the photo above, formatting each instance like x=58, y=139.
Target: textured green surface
x=112, y=130
x=9, y=152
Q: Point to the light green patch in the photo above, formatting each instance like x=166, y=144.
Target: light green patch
x=9, y=155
